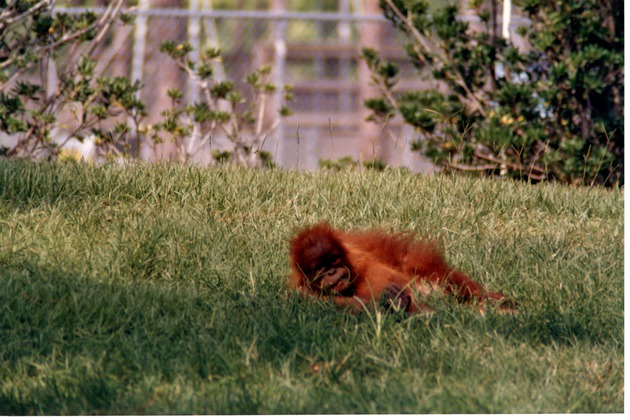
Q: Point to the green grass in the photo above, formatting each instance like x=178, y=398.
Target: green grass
x=162, y=290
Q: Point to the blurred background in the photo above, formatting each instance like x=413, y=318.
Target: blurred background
x=314, y=46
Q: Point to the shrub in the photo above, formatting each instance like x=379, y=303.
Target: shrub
x=553, y=111
x=224, y=108
x=60, y=48
x=71, y=101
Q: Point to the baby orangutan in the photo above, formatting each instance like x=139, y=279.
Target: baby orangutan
x=356, y=268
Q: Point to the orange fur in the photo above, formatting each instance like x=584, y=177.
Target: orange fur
x=356, y=268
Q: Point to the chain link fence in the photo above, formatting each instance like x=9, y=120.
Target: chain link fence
x=317, y=53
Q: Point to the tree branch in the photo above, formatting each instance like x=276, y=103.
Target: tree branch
x=540, y=172
x=421, y=39
x=6, y=22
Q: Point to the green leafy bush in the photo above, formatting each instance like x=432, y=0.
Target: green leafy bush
x=223, y=109
x=51, y=93
x=48, y=69
x=551, y=111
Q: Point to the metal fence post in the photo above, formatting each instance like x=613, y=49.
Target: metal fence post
x=280, y=53
x=194, y=34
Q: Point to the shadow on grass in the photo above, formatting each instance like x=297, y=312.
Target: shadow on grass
x=78, y=345
x=553, y=326
x=71, y=345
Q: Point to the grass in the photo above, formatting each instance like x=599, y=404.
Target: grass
x=162, y=290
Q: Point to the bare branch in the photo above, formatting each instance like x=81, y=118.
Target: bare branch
x=106, y=22
x=421, y=39
x=14, y=76
x=416, y=34
x=540, y=172
x=6, y=22
x=261, y=113
x=472, y=168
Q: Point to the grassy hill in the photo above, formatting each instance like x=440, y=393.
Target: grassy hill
x=162, y=289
